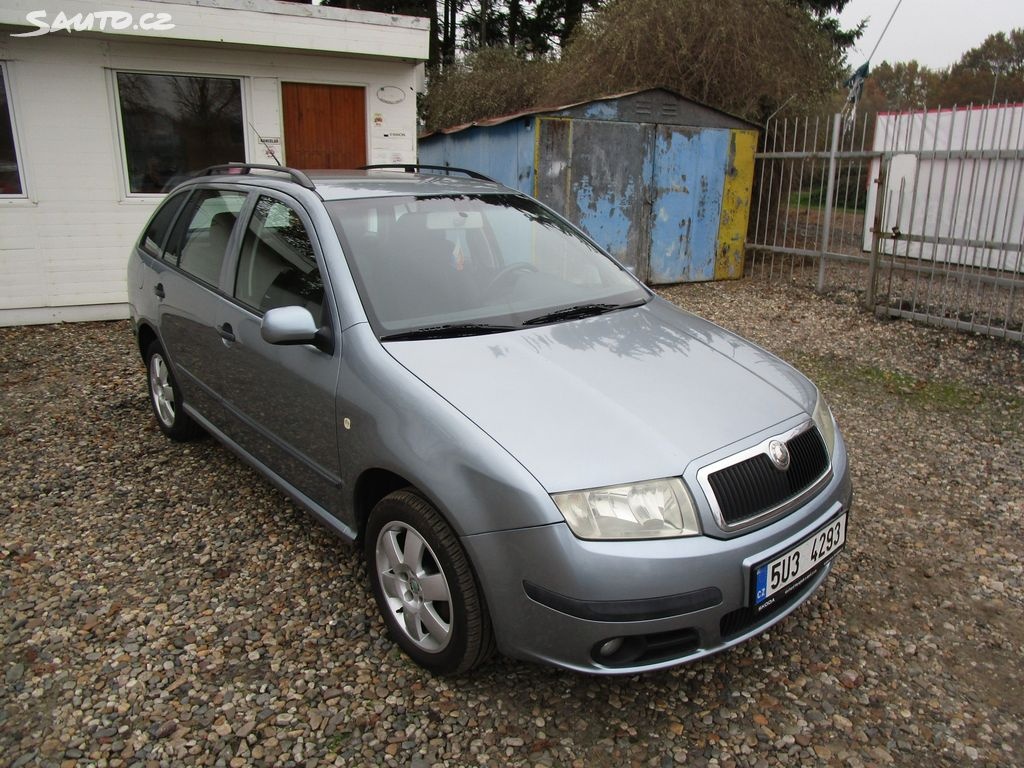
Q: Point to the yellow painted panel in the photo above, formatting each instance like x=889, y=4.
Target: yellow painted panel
x=732, y=228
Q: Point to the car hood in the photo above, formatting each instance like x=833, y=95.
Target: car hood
x=631, y=395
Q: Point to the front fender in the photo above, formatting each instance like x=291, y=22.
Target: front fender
x=398, y=423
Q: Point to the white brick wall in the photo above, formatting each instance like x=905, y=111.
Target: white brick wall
x=64, y=247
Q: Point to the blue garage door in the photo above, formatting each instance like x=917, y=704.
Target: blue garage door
x=689, y=174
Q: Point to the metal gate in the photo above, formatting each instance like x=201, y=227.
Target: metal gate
x=922, y=212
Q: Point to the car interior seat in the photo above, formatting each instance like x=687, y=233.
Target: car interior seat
x=418, y=276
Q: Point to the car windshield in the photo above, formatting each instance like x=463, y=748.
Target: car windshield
x=469, y=264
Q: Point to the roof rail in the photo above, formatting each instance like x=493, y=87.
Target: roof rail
x=414, y=167
x=229, y=168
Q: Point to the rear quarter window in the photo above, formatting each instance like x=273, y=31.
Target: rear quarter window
x=155, y=236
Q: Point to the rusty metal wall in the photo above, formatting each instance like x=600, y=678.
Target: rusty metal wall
x=609, y=190
x=689, y=179
x=732, y=230
x=656, y=106
x=669, y=201
x=504, y=152
x=554, y=144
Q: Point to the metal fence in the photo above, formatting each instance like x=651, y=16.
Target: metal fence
x=922, y=213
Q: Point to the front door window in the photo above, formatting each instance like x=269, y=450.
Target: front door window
x=277, y=266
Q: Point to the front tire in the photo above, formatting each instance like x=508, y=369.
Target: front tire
x=425, y=587
x=165, y=397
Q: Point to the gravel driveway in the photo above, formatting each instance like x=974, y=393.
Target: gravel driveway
x=161, y=604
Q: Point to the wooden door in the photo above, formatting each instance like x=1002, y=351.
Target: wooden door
x=324, y=125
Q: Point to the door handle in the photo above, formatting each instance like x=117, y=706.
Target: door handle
x=159, y=290
x=226, y=332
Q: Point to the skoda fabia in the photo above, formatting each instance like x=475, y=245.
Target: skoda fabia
x=535, y=452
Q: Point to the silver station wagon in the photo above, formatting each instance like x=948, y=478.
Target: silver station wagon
x=535, y=452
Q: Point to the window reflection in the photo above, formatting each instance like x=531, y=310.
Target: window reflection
x=10, y=179
x=277, y=266
x=175, y=125
x=499, y=259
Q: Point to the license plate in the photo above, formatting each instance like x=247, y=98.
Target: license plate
x=778, y=577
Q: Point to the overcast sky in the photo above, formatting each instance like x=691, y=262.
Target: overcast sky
x=935, y=32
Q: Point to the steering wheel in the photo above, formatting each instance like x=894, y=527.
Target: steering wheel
x=509, y=269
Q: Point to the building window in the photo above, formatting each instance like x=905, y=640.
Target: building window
x=175, y=125
x=10, y=178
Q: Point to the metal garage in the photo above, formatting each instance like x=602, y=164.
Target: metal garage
x=660, y=181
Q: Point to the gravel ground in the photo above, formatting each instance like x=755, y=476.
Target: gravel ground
x=162, y=605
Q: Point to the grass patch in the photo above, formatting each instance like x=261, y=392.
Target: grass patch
x=816, y=199
x=337, y=741
x=936, y=394
x=943, y=394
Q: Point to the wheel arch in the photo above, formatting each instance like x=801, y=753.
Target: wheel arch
x=145, y=336
x=372, y=486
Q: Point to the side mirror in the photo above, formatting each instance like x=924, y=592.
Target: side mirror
x=289, y=325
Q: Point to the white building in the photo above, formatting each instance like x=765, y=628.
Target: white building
x=107, y=102
x=952, y=186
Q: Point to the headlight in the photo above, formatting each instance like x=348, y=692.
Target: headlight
x=655, y=509
x=826, y=424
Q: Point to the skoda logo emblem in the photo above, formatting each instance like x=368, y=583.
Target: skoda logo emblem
x=779, y=454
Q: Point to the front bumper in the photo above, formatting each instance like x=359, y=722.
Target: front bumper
x=557, y=599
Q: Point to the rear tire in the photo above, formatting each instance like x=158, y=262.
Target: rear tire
x=424, y=586
x=165, y=397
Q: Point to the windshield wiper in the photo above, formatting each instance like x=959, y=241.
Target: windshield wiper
x=579, y=310
x=448, y=331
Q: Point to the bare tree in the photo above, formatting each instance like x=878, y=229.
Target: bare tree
x=742, y=57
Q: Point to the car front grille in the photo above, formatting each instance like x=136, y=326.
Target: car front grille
x=755, y=485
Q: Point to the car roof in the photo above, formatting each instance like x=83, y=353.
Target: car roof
x=342, y=185
x=348, y=185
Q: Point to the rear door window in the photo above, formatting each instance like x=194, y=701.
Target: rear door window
x=200, y=238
